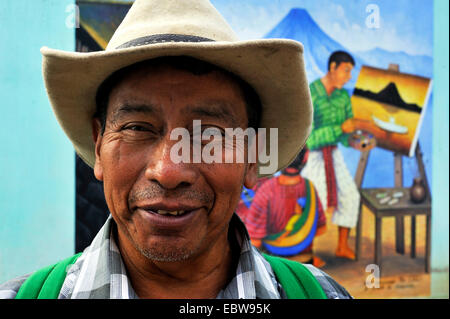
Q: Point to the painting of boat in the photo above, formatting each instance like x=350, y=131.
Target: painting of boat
x=390, y=126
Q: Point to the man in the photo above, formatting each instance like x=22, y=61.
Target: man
x=172, y=232
x=326, y=167
x=276, y=204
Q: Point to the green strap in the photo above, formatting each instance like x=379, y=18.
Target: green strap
x=297, y=281
x=46, y=282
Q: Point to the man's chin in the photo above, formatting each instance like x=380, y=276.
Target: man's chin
x=167, y=253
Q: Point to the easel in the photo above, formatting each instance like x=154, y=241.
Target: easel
x=399, y=220
x=400, y=213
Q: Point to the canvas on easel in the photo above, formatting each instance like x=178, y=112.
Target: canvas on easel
x=391, y=106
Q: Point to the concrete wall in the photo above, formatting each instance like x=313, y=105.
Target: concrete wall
x=440, y=205
x=37, y=199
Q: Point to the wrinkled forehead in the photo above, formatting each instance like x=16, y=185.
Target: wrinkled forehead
x=171, y=75
x=167, y=66
x=212, y=94
x=187, y=66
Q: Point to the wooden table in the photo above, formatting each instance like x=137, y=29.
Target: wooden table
x=371, y=198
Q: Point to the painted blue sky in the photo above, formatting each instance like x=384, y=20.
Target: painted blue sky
x=405, y=25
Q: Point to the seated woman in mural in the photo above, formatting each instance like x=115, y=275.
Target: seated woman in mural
x=286, y=214
x=247, y=196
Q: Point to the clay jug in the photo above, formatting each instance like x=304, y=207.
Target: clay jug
x=417, y=191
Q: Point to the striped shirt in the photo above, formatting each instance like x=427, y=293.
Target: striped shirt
x=330, y=111
x=99, y=273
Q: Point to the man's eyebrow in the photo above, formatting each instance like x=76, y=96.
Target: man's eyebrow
x=128, y=108
x=218, y=109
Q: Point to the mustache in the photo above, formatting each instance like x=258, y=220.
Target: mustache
x=156, y=192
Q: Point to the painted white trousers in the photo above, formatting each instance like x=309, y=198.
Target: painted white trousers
x=346, y=212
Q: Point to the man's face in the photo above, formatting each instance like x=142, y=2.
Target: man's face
x=142, y=183
x=341, y=74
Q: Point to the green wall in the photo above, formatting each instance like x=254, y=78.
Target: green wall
x=37, y=169
x=440, y=207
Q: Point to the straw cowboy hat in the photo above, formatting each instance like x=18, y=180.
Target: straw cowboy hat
x=155, y=28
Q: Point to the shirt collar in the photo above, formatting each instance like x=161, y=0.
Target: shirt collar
x=99, y=272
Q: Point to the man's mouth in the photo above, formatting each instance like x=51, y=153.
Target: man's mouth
x=172, y=213
x=169, y=209
x=168, y=216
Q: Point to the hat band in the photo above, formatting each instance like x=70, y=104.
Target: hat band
x=162, y=38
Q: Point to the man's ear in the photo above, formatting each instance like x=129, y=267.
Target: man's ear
x=251, y=176
x=333, y=66
x=97, y=136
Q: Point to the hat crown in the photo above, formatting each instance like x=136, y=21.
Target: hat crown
x=194, y=18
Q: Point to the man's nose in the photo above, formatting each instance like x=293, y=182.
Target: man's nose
x=164, y=171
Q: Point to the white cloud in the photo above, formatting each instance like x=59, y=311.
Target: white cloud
x=250, y=21
x=340, y=12
x=355, y=37
x=356, y=27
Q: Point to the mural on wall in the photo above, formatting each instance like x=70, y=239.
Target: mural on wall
x=386, y=114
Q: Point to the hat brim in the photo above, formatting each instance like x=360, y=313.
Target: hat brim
x=274, y=67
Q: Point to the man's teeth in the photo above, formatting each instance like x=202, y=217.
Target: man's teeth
x=174, y=213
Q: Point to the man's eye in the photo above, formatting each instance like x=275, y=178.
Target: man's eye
x=212, y=130
x=136, y=128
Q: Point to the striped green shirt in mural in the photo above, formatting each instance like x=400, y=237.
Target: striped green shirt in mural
x=329, y=114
